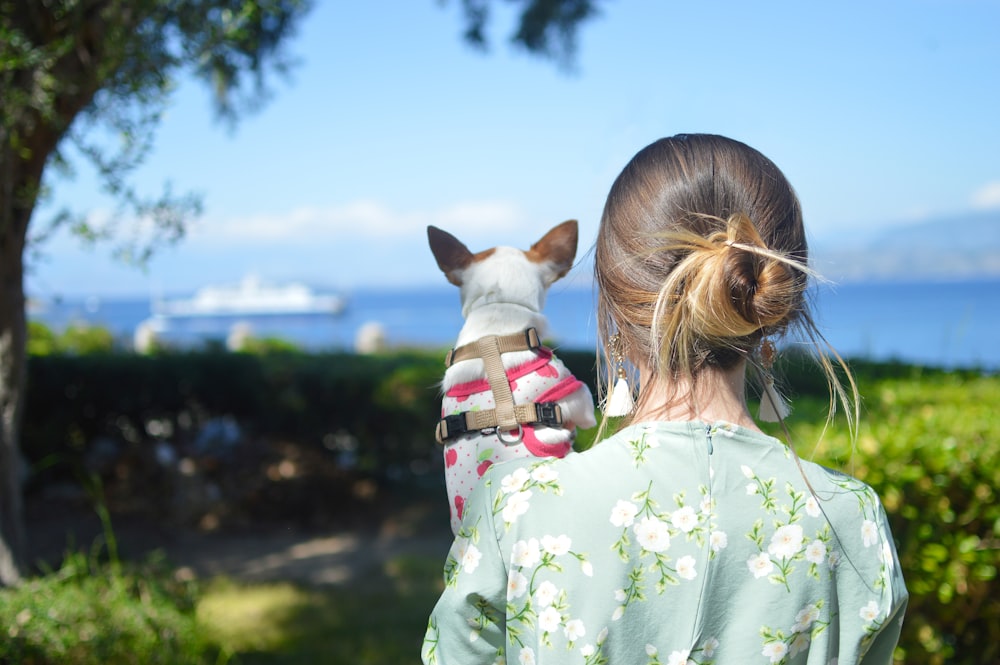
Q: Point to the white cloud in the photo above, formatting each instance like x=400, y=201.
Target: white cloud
x=988, y=196
x=365, y=219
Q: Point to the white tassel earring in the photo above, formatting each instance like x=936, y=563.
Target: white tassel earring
x=773, y=407
x=619, y=402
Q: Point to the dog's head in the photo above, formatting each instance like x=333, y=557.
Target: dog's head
x=504, y=274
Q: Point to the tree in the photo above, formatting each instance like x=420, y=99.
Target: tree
x=69, y=67
x=80, y=71
x=545, y=27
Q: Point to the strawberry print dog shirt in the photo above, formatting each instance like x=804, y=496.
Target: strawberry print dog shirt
x=466, y=458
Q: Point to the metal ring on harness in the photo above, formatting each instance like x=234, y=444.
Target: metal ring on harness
x=517, y=439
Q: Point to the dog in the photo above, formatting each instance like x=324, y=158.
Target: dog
x=506, y=395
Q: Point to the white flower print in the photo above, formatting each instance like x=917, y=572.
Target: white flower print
x=869, y=612
x=516, y=506
x=603, y=635
x=760, y=565
x=623, y=514
x=527, y=656
x=544, y=474
x=799, y=644
x=816, y=552
x=650, y=650
x=684, y=519
x=812, y=507
x=587, y=650
x=525, y=553
x=869, y=533
x=706, y=504
x=786, y=542
x=747, y=471
x=652, y=534
x=587, y=568
x=574, y=630
x=620, y=595
x=711, y=644
x=545, y=594
x=805, y=618
x=470, y=559
x=775, y=651
x=549, y=619
x=685, y=568
x=679, y=657
x=513, y=482
x=473, y=636
x=751, y=489
x=718, y=540
x=618, y=613
x=556, y=546
x=517, y=585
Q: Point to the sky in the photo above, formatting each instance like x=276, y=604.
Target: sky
x=881, y=114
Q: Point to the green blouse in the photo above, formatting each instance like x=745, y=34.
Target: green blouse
x=670, y=544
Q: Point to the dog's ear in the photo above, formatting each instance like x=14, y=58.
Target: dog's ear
x=452, y=256
x=557, y=247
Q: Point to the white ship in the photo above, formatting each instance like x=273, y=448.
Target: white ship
x=251, y=297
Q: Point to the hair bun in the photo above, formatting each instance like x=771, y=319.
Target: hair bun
x=761, y=288
x=735, y=285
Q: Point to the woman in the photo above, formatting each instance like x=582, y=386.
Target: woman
x=688, y=536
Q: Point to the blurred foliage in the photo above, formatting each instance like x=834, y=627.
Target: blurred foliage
x=929, y=443
x=380, y=407
x=76, y=338
x=93, y=613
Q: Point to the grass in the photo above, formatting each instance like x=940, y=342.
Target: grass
x=376, y=620
x=91, y=613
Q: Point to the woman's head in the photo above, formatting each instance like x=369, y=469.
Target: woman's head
x=701, y=252
x=700, y=255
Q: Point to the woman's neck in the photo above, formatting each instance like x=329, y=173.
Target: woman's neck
x=714, y=395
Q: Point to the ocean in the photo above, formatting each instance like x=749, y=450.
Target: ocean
x=940, y=324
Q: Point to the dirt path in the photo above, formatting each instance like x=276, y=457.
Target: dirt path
x=270, y=552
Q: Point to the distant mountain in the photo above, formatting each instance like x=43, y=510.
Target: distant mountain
x=960, y=247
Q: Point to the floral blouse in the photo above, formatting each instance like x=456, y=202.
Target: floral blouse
x=670, y=544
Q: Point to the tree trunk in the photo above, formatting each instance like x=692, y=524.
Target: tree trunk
x=20, y=180
x=12, y=377
x=29, y=133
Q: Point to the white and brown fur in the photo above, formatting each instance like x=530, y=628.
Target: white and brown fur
x=503, y=291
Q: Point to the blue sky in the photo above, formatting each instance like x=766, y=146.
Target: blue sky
x=880, y=113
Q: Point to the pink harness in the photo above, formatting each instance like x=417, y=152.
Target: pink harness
x=544, y=379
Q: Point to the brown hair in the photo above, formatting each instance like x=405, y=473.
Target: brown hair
x=701, y=253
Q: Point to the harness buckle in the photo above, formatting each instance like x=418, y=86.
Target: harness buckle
x=451, y=426
x=531, y=339
x=549, y=414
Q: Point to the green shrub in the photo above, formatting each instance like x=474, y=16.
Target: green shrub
x=77, y=338
x=92, y=614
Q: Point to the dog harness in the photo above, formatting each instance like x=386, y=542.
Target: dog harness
x=508, y=415
x=491, y=420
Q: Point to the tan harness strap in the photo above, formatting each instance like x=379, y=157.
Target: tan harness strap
x=526, y=340
x=488, y=349
x=548, y=414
